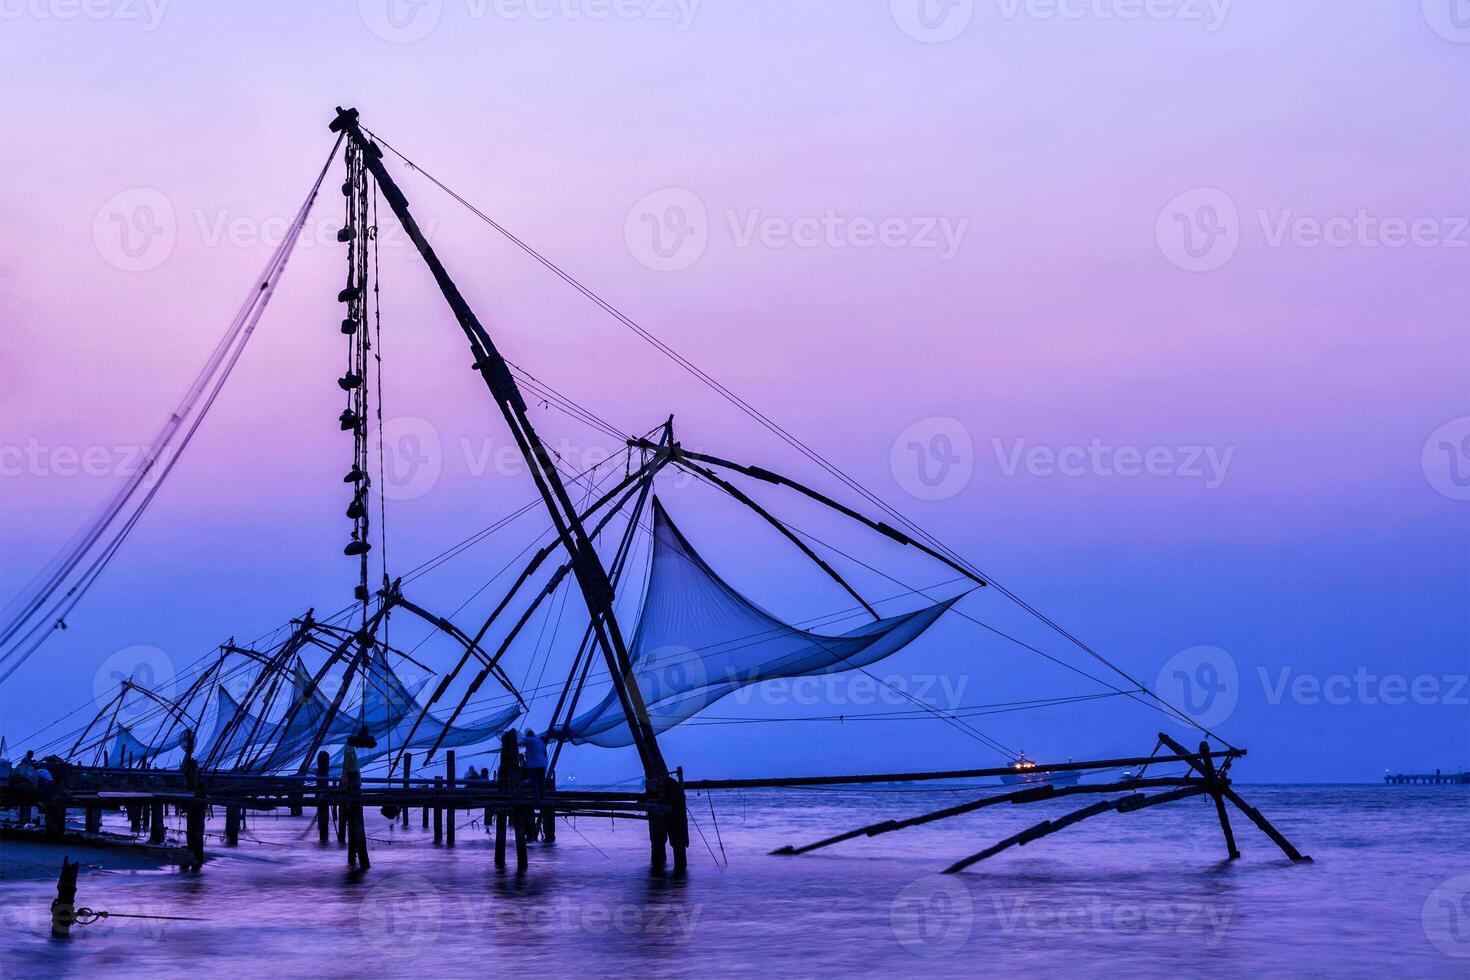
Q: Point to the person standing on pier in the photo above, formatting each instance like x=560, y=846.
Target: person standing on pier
x=535, y=762
x=357, y=852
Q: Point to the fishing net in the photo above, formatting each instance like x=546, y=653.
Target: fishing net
x=391, y=709
x=699, y=640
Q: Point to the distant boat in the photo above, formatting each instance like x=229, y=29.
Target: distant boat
x=1023, y=770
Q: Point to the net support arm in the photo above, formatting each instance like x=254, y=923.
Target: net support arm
x=767, y=476
x=786, y=532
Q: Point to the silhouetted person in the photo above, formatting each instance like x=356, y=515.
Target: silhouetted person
x=535, y=762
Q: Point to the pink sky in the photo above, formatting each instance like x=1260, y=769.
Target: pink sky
x=1062, y=317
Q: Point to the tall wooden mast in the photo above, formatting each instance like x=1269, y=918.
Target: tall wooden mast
x=591, y=577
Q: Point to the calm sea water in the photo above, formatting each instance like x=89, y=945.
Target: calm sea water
x=1136, y=895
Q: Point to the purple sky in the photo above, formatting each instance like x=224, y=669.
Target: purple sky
x=893, y=239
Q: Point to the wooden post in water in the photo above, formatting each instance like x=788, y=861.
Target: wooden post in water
x=194, y=830
x=135, y=817
x=679, y=822
x=548, y=813
x=94, y=819
x=232, y=826
x=522, y=829
x=449, y=784
x=1214, y=778
x=156, y=825
x=658, y=836
x=407, y=769
x=63, y=907
x=323, y=810
x=55, y=821
x=438, y=811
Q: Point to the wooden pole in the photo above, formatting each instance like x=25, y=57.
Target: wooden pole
x=658, y=836
x=194, y=830
x=500, y=822
x=407, y=769
x=449, y=783
x=323, y=810
x=678, y=821
x=1214, y=781
x=156, y=825
x=94, y=819
x=521, y=821
x=63, y=907
x=438, y=811
x=232, y=826
x=1265, y=825
x=548, y=813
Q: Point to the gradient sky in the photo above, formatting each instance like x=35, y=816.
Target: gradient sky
x=1323, y=377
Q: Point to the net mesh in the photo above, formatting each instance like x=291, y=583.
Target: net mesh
x=699, y=640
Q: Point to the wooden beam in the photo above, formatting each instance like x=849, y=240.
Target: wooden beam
x=1126, y=804
x=1030, y=794
x=905, y=777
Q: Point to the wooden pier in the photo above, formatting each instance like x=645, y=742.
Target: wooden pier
x=1436, y=778
x=516, y=808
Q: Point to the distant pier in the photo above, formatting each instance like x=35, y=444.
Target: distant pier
x=1436, y=778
